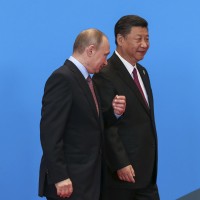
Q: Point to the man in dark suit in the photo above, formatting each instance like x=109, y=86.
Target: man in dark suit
x=131, y=143
x=71, y=123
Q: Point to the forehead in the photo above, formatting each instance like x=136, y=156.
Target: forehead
x=137, y=30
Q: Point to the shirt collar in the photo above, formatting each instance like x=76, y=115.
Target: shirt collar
x=82, y=69
x=128, y=66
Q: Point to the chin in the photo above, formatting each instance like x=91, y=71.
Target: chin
x=140, y=58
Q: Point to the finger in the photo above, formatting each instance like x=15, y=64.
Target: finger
x=120, y=97
x=59, y=192
x=132, y=171
x=132, y=174
x=70, y=188
x=124, y=178
x=119, y=101
x=128, y=176
x=120, y=177
x=62, y=193
x=119, y=111
x=131, y=178
x=65, y=192
x=119, y=106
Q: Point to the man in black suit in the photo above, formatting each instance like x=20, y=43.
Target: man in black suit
x=71, y=124
x=131, y=143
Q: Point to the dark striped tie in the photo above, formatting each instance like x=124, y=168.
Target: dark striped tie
x=89, y=80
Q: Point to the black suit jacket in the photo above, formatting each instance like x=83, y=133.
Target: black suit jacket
x=71, y=135
x=132, y=140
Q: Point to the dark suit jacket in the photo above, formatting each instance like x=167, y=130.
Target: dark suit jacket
x=132, y=140
x=71, y=135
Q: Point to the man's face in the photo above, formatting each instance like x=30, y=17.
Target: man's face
x=99, y=59
x=134, y=45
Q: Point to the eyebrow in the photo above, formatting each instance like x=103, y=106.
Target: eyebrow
x=142, y=35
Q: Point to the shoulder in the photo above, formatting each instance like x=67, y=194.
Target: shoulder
x=142, y=69
x=60, y=76
x=66, y=70
x=112, y=66
x=139, y=66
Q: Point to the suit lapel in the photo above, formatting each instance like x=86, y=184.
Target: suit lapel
x=84, y=86
x=126, y=77
x=145, y=80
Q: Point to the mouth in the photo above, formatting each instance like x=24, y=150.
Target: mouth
x=142, y=52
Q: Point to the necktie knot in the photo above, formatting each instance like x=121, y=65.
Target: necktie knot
x=89, y=80
x=135, y=76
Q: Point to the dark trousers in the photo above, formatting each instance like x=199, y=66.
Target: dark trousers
x=149, y=193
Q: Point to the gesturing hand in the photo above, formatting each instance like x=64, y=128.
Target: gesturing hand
x=126, y=174
x=119, y=104
x=64, y=188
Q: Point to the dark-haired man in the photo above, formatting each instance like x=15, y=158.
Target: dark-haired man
x=131, y=143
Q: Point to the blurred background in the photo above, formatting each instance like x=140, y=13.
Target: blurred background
x=37, y=36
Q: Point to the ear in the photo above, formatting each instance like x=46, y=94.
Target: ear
x=120, y=39
x=91, y=50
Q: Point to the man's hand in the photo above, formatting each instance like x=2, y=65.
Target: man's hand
x=64, y=188
x=119, y=104
x=126, y=174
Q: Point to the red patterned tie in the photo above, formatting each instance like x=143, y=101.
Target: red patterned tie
x=136, y=80
x=89, y=80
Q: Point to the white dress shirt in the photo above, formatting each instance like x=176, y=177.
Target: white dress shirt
x=81, y=68
x=130, y=68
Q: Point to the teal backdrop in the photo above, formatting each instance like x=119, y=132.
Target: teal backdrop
x=37, y=36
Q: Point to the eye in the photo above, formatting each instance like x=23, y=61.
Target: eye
x=138, y=39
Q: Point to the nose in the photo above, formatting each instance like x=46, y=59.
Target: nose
x=145, y=44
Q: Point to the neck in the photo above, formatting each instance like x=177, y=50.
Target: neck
x=126, y=57
x=80, y=58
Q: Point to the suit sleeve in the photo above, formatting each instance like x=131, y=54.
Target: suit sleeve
x=56, y=106
x=116, y=156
